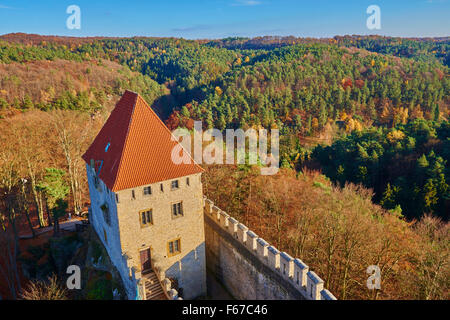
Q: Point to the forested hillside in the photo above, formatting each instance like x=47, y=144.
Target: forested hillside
x=69, y=85
x=367, y=112
x=418, y=48
x=308, y=88
x=52, y=76
x=301, y=88
x=407, y=166
x=338, y=231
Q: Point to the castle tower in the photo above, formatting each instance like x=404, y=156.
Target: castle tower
x=146, y=210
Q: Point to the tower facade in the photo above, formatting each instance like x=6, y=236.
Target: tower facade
x=147, y=210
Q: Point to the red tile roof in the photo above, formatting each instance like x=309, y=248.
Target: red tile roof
x=134, y=147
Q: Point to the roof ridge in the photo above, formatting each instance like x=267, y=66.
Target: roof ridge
x=167, y=129
x=126, y=139
x=141, y=147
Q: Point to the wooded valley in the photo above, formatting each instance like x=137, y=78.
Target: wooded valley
x=364, y=141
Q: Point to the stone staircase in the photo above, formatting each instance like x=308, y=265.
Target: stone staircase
x=153, y=288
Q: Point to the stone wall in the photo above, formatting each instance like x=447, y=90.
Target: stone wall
x=187, y=267
x=100, y=195
x=251, y=268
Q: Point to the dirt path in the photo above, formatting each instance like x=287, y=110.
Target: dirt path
x=69, y=225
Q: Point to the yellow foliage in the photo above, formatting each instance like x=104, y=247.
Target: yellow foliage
x=372, y=62
x=395, y=135
x=417, y=113
x=405, y=115
x=385, y=116
x=218, y=91
x=45, y=96
x=247, y=59
x=400, y=115
x=350, y=125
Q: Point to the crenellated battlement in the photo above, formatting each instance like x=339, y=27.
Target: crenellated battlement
x=295, y=271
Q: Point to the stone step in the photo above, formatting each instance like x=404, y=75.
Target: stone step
x=153, y=291
x=152, y=286
x=150, y=276
x=152, y=280
x=153, y=294
x=161, y=296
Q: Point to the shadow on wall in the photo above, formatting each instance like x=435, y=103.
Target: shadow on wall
x=215, y=289
x=190, y=274
x=251, y=268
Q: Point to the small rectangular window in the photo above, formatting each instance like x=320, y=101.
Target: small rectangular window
x=133, y=195
x=146, y=218
x=105, y=236
x=187, y=181
x=106, y=213
x=174, y=184
x=147, y=191
x=162, y=188
x=174, y=247
x=117, y=198
x=177, y=209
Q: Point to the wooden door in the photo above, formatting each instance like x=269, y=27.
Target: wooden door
x=146, y=265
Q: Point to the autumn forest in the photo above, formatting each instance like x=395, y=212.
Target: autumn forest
x=364, y=142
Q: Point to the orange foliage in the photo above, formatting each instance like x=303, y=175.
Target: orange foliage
x=337, y=232
x=347, y=83
x=359, y=83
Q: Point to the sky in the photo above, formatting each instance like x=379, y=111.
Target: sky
x=212, y=19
